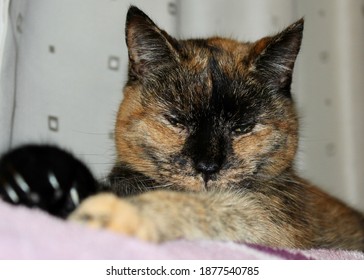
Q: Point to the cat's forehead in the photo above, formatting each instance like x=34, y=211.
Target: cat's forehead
x=230, y=54
x=211, y=79
x=214, y=67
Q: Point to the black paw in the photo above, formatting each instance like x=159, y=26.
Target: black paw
x=45, y=177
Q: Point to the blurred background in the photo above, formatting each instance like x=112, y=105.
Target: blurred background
x=63, y=66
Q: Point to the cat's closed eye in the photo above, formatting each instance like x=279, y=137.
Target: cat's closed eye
x=242, y=129
x=176, y=122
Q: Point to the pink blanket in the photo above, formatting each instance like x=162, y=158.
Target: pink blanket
x=32, y=234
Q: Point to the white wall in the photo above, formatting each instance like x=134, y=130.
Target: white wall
x=240, y=19
x=7, y=66
x=63, y=72
x=331, y=96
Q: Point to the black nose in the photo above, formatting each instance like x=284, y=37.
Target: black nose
x=207, y=169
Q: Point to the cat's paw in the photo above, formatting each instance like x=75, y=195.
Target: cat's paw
x=45, y=177
x=110, y=212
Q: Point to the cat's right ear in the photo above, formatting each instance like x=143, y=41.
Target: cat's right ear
x=149, y=47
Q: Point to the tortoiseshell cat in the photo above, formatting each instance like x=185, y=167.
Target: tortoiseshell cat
x=210, y=126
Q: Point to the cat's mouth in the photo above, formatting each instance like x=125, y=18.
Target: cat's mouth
x=199, y=182
x=188, y=178
x=208, y=178
x=195, y=183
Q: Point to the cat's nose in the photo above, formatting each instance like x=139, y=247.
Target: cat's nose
x=207, y=169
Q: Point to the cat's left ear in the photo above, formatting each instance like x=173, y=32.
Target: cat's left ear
x=271, y=59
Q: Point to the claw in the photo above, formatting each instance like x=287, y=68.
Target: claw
x=11, y=194
x=55, y=185
x=74, y=196
x=21, y=183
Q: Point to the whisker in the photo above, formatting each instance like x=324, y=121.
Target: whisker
x=161, y=186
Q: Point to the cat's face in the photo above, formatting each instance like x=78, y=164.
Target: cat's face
x=203, y=114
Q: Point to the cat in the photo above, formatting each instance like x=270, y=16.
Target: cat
x=206, y=138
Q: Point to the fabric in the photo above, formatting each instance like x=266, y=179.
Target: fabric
x=32, y=234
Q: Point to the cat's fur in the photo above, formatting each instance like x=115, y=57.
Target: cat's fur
x=211, y=126
x=206, y=138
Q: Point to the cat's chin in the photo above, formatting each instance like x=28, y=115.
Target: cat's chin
x=198, y=184
x=195, y=184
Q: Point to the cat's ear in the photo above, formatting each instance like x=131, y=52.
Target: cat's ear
x=149, y=47
x=271, y=59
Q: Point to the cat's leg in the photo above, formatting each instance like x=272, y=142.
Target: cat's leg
x=45, y=177
x=108, y=211
x=165, y=215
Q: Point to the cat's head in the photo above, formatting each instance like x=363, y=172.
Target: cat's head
x=207, y=113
